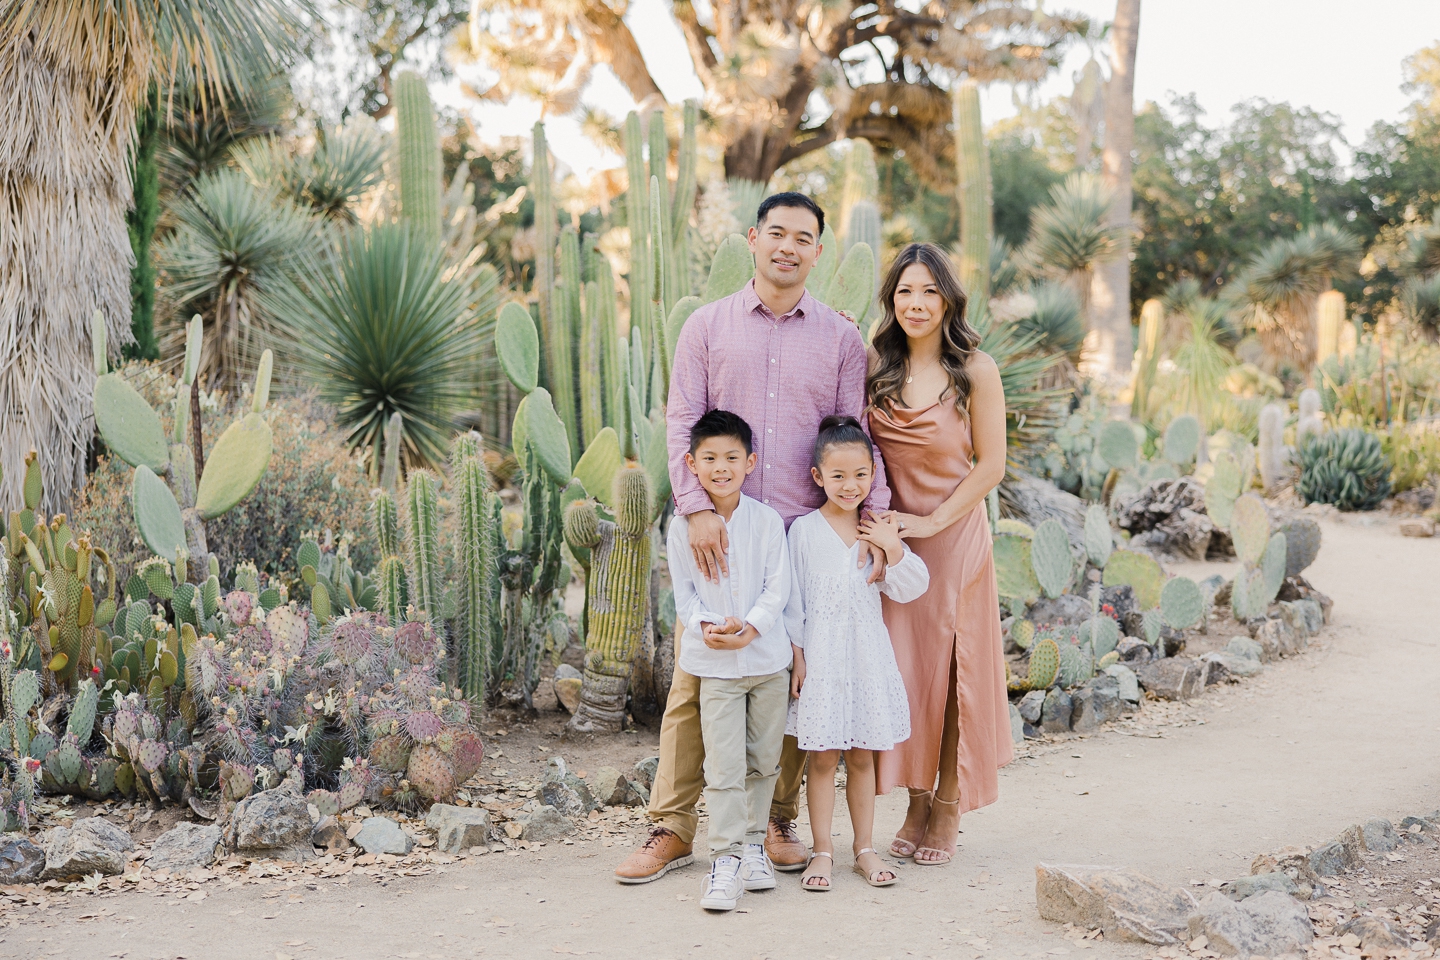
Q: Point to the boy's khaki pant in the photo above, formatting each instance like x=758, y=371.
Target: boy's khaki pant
x=741, y=720
x=681, y=776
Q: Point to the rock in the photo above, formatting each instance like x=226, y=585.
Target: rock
x=1133, y=625
x=1380, y=836
x=1298, y=588
x=1068, y=608
x=330, y=835
x=546, y=823
x=457, y=829
x=1266, y=925
x=1233, y=665
x=20, y=860
x=1294, y=613
x=93, y=845
x=1243, y=888
x=383, y=835
x=1172, y=643
x=1055, y=714
x=1097, y=702
x=1337, y=856
x=1017, y=725
x=1127, y=684
x=1278, y=637
x=1247, y=648
x=1167, y=516
x=1124, y=904
x=1418, y=825
x=1314, y=615
x=1417, y=527
x=183, y=846
x=1378, y=937
x=1215, y=670
x=1031, y=706
x=1211, y=587
x=567, y=684
x=1432, y=932
x=612, y=789
x=1135, y=652
x=644, y=772
x=1172, y=679
x=1121, y=599
x=272, y=824
x=566, y=792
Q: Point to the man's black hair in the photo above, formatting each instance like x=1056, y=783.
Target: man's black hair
x=721, y=423
x=790, y=199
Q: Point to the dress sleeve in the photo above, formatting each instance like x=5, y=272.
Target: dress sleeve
x=795, y=605
x=769, y=607
x=906, y=580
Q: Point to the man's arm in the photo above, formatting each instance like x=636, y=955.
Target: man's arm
x=850, y=401
x=689, y=399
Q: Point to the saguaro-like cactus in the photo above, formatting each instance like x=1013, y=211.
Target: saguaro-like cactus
x=476, y=626
x=619, y=597
x=973, y=163
x=418, y=154
x=422, y=542
x=1330, y=307
x=1147, y=358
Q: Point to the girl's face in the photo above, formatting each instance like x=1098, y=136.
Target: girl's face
x=846, y=473
x=919, y=308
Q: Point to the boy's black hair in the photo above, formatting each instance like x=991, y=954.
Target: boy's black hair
x=835, y=431
x=790, y=199
x=721, y=423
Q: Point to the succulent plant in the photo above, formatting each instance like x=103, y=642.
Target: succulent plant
x=1044, y=664
x=1272, y=453
x=1345, y=467
x=1223, y=489
x=1182, y=439
x=1077, y=664
x=1140, y=572
x=1051, y=558
x=1182, y=603
x=1117, y=445
x=1022, y=633
x=1272, y=566
x=1099, y=540
x=1250, y=528
x=1302, y=544
x=973, y=169
x=417, y=153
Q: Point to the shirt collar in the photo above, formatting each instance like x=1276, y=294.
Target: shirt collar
x=802, y=308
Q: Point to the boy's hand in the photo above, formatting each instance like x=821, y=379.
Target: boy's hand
x=797, y=672
x=717, y=639
x=883, y=532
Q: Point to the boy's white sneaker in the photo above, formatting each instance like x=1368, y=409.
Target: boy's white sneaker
x=723, y=887
x=756, y=870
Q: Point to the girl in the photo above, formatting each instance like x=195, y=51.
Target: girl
x=849, y=695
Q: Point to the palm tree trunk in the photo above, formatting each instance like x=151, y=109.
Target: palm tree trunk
x=64, y=253
x=1110, y=290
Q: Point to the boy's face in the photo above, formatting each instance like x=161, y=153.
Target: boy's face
x=721, y=465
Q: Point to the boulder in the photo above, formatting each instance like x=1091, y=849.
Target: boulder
x=1017, y=725
x=1266, y=925
x=1167, y=517
x=1247, y=648
x=92, y=845
x=1417, y=527
x=457, y=829
x=1378, y=937
x=566, y=792
x=546, y=823
x=1135, y=652
x=1314, y=615
x=1243, y=888
x=383, y=835
x=1380, y=836
x=1055, y=714
x=329, y=835
x=1232, y=665
x=184, y=846
x=271, y=824
x=1172, y=679
x=1031, y=705
x=1294, y=613
x=1215, y=670
x=1068, y=608
x=1278, y=638
x=611, y=789
x=644, y=772
x=567, y=685
x=1097, y=702
x=20, y=860
x=1127, y=684
x=1298, y=588
x=1341, y=854
x=1124, y=904
x=1036, y=501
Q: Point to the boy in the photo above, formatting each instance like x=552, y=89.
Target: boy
x=735, y=642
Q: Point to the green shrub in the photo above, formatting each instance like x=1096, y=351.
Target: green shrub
x=1414, y=451
x=1345, y=467
x=313, y=484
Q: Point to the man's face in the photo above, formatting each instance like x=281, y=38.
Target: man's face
x=786, y=246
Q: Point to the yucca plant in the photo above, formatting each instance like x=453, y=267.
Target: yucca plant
x=381, y=329
x=344, y=163
x=1056, y=322
x=1031, y=411
x=77, y=72
x=201, y=128
x=1070, y=235
x=1282, y=284
x=1420, y=298
x=233, y=242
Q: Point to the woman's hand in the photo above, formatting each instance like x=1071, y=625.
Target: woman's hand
x=914, y=526
x=883, y=532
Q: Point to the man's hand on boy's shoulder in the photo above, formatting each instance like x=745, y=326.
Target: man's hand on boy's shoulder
x=731, y=635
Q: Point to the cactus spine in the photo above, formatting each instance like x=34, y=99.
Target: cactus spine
x=418, y=155
x=973, y=163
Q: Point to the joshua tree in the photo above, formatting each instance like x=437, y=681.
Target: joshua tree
x=785, y=78
x=73, y=74
x=1283, y=284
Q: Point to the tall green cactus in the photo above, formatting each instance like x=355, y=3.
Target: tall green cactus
x=418, y=155
x=474, y=557
x=560, y=336
x=384, y=523
x=422, y=542
x=973, y=166
x=1152, y=320
x=619, y=591
x=637, y=210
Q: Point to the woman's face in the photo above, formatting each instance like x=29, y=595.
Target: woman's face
x=919, y=308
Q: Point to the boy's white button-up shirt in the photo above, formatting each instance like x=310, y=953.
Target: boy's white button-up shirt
x=755, y=592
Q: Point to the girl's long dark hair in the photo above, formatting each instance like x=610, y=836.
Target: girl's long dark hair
x=892, y=347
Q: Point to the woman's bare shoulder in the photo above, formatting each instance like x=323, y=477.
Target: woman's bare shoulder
x=981, y=362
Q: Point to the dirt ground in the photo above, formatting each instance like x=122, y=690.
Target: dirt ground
x=1189, y=794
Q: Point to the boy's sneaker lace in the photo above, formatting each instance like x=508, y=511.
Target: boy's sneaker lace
x=756, y=870
x=723, y=887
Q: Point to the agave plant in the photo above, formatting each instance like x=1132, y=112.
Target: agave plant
x=234, y=241
x=1282, y=285
x=1031, y=411
x=389, y=326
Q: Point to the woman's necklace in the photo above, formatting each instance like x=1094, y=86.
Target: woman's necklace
x=911, y=377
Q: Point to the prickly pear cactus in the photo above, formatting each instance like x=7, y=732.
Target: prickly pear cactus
x=1014, y=570
x=1182, y=439
x=1302, y=544
x=1117, y=445
x=1140, y=572
x=1050, y=556
x=1250, y=528
x=1101, y=633
x=1044, y=664
x=1022, y=632
x=1182, y=603
x=1076, y=664
x=1223, y=489
x=1272, y=566
x=1099, y=541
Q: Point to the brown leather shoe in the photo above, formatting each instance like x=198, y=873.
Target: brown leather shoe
x=661, y=853
x=784, y=846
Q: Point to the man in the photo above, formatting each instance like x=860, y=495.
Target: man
x=783, y=361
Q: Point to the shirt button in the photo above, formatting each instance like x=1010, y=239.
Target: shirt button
x=773, y=360
x=767, y=466
x=772, y=394
x=767, y=499
x=769, y=429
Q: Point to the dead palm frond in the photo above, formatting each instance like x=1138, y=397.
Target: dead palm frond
x=233, y=242
x=72, y=76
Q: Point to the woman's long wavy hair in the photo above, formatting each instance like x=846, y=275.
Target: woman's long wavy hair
x=892, y=347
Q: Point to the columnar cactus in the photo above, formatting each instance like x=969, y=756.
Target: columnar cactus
x=1309, y=423
x=1330, y=308
x=476, y=626
x=619, y=597
x=418, y=155
x=1273, y=456
x=1147, y=360
x=422, y=542
x=973, y=168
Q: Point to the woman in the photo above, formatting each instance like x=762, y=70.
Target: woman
x=937, y=412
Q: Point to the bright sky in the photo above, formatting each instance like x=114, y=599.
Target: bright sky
x=1333, y=55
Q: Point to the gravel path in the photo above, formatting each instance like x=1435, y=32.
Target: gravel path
x=1343, y=733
